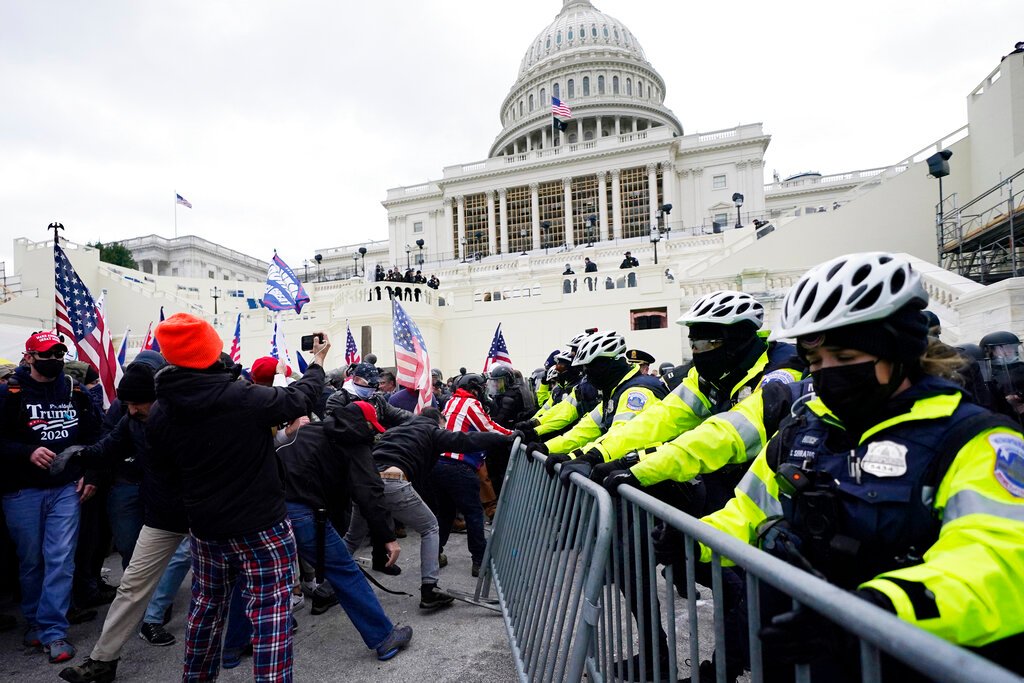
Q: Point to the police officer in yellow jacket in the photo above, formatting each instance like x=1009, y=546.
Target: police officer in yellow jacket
x=626, y=393
x=574, y=397
x=885, y=479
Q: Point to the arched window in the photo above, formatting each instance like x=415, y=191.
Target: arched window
x=543, y=98
x=558, y=38
x=572, y=138
x=640, y=88
x=547, y=43
x=520, y=107
x=593, y=30
x=569, y=35
x=556, y=92
x=615, y=85
x=629, y=86
x=600, y=85
x=605, y=31
x=531, y=101
x=583, y=32
x=586, y=86
x=570, y=89
x=588, y=135
x=616, y=35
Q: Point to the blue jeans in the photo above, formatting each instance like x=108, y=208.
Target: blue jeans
x=341, y=571
x=44, y=526
x=124, y=507
x=169, y=584
x=238, y=633
x=457, y=486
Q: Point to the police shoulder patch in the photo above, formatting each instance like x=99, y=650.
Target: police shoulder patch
x=636, y=400
x=780, y=376
x=1009, y=467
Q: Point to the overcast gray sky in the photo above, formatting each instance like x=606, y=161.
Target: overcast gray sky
x=285, y=122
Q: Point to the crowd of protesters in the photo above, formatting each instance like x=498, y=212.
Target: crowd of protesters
x=262, y=483
x=410, y=276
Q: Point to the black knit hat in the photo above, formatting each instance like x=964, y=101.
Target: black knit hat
x=137, y=385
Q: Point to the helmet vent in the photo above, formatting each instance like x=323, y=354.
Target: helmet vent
x=899, y=278
x=861, y=274
x=835, y=269
x=869, y=299
x=829, y=305
x=808, y=301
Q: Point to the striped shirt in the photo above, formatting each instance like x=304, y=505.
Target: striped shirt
x=465, y=414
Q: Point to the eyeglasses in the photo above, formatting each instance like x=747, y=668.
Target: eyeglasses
x=47, y=355
x=702, y=345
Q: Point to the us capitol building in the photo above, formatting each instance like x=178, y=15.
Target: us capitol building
x=621, y=175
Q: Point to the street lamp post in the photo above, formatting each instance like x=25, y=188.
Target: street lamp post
x=663, y=221
x=545, y=226
x=522, y=240
x=408, y=263
x=462, y=244
x=420, y=243
x=305, y=269
x=215, y=294
x=655, y=238
x=591, y=229
x=318, y=258
x=362, y=255
x=355, y=264
x=737, y=199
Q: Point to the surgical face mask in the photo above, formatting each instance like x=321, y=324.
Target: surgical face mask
x=852, y=392
x=358, y=390
x=48, y=367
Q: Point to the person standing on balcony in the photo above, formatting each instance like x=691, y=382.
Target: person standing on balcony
x=629, y=261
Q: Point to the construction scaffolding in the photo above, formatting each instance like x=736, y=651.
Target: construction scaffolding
x=982, y=240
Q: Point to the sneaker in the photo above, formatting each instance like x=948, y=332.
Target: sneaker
x=156, y=634
x=77, y=615
x=475, y=571
x=399, y=638
x=442, y=560
x=322, y=603
x=90, y=671
x=103, y=595
x=31, y=637
x=59, y=651
x=232, y=658
x=459, y=526
x=298, y=601
x=393, y=570
x=432, y=597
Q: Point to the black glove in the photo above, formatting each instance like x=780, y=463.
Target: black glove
x=61, y=461
x=619, y=477
x=799, y=636
x=529, y=433
x=578, y=465
x=536, y=446
x=526, y=424
x=601, y=472
x=553, y=460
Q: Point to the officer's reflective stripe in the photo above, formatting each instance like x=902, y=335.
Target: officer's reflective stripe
x=746, y=429
x=756, y=490
x=969, y=502
x=623, y=417
x=571, y=400
x=596, y=414
x=692, y=401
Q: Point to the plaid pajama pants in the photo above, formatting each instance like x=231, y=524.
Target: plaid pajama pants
x=263, y=563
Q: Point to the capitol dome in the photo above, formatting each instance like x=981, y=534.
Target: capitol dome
x=594, y=64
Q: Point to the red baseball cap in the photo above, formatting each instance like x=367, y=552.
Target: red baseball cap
x=263, y=370
x=44, y=341
x=370, y=413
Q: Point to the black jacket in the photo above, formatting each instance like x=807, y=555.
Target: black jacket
x=507, y=408
x=217, y=432
x=415, y=446
x=388, y=415
x=53, y=414
x=329, y=465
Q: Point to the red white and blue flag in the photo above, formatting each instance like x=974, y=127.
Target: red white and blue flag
x=150, y=343
x=181, y=200
x=351, y=350
x=122, y=354
x=498, y=353
x=279, y=348
x=560, y=108
x=236, y=343
x=412, y=361
x=284, y=292
x=81, y=319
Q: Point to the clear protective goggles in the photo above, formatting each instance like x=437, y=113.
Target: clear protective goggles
x=702, y=345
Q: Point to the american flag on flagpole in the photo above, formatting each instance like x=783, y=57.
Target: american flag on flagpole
x=236, y=343
x=498, y=353
x=80, y=318
x=181, y=200
x=122, y=353
x=150, y=343
x=351, y=350
x=560, y=108
x=411, y=358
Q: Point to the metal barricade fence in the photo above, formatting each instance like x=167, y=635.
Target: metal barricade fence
x=546, y=556
x=581, y=591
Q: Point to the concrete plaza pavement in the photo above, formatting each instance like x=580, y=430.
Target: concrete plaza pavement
x=457, y=643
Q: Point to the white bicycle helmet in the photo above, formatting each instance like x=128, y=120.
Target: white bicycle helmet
x=849, y=289
x=724, y=307
x=575, y=342
x=607, y=344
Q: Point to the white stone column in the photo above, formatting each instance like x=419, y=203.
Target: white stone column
x=698, y=193
x=652, y=194
x=503, y=218
x=618, y=125
x=597, y=131
x=579, y=130
x=492, y=238
x=567, y=197
x=462, y=225
x=534, y=214
x=544, y=137
x=616, y=206
x=445, y=234
x=602, y=206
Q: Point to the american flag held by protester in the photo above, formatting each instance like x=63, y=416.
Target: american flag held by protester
x=351, y=350
x=411, y=358
x=498, y=353
x=236, y=343
x=80, y=318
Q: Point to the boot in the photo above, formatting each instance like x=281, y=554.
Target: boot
x=91, y=671
x=431, y=597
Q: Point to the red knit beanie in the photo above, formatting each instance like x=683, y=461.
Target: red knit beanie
x=188, y=341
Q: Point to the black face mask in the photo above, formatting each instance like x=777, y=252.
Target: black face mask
x=713, y=365
x=48, y=367
x=605, y=374
x=852, y=392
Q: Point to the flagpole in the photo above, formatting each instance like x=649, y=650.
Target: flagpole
x=175, y=214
